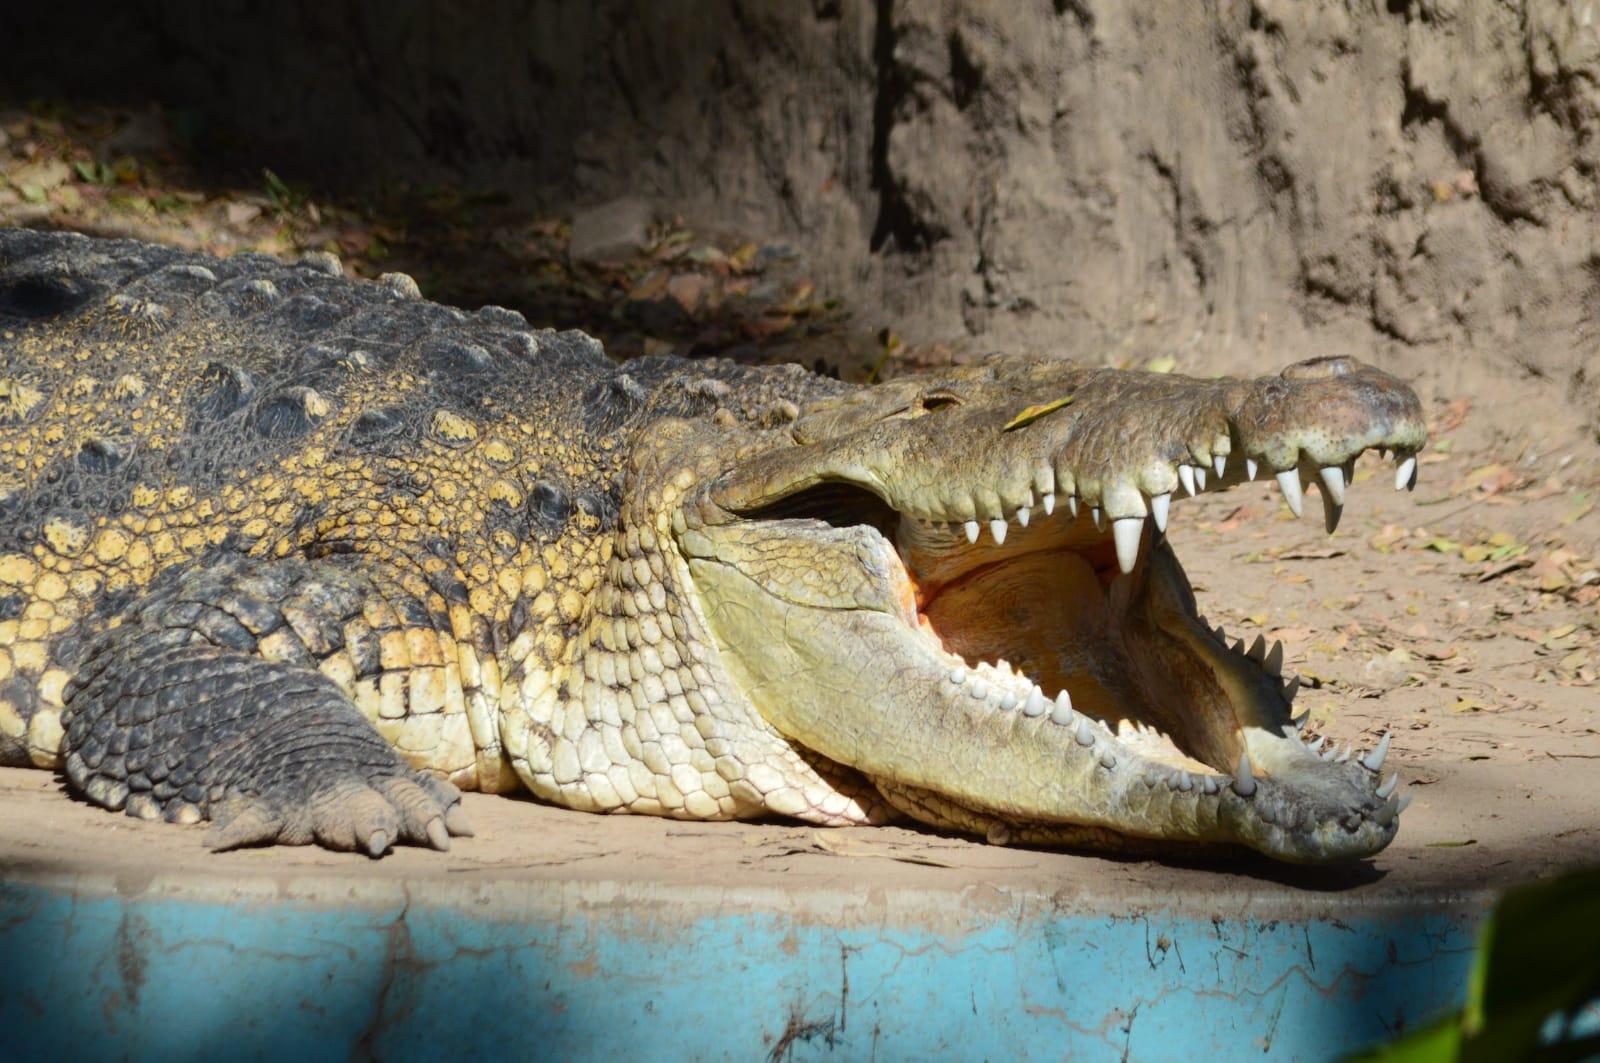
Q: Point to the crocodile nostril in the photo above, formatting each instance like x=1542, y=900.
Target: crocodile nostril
x=1319, y=368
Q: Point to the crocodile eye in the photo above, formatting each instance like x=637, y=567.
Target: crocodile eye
x=937, y=400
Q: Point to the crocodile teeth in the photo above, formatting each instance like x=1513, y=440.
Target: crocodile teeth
x=1274, y=660
x=1386, y=815
x=1127, y=531
x=1200, y=476
x=1084, y=733
x=1024, y=514
x=1333, y=482
x=1062, y=712
x=1186, y=477
x=958, y=676
x=1158, y=510
x=1299, y=721
x=1331, y=512
x=1072, y=506
x=1049, y=504
x=1258, y=650
x=1035, y=704
x=1107, y=760
x=1344, y=754
x=1317, y=745
x=1008, y=701
x=997, y=528
x=1099, y=519
x=1291, y=686
x=1209, y=784
x=1388, y=786
x=971, y=529
x=1219, y=462
x=1250, y=468
x=979, y=689
x=1289, y=483
x=1374, y=761
x=1400, y=805
x=1405, y=474
x=1244, y=784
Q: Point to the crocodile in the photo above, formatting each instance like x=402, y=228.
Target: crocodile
x=305, y=556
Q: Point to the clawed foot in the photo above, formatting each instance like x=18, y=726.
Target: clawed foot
x=347, y=814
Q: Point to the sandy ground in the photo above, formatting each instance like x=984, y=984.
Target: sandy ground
x=1464, y=617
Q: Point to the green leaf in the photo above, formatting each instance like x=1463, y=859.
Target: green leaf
x=1033, y=413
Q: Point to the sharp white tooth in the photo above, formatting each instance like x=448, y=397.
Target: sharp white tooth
x=997, y=528
x=1003, y=666
x=1186, y=477
x=1388, y=786
x=1107, y=760
x=1099, y=519
x=1374, y=760
x=1127, y=531
x=1024, y=514
x=958, y=676
x=1072, y=506
x=1291, y=687
x=1208, y=783
x=1329, y=753
x=1200, y=477
x=1061, y=712
x=1063, y=701
x=1035, y=703
x=1316, y=747
x=1299, y=721
x=1219, y=462
x=979, y=689
x=1258, y=650
x=1008, y=701
x=1333, y=482
x=1158, y=510
x=1250, y=468
x=1331, y=512
x=1049, y=504
x=1386, y=814
x=1244, y=784
x=1084, y=733
x=1221, y=634
x=1405, y=474
x=1344, y=754
x=1289, y=483
x=971, y=528
x=1185, y=781
x=1400, y=805
x=1274, y=662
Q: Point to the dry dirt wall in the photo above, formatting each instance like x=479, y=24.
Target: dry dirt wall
x=1401, y=179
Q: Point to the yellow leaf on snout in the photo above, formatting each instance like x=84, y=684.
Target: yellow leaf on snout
x=1033, y=413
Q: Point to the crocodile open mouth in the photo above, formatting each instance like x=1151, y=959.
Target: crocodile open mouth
x=990, y=625
x=1064, y=623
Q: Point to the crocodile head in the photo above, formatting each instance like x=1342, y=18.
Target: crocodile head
x=957, y=587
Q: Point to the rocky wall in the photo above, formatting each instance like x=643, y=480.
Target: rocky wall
x=1232, y=180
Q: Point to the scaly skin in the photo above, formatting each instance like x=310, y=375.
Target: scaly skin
x=303, y=556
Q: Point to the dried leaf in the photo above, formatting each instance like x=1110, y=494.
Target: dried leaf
x=1033, y=413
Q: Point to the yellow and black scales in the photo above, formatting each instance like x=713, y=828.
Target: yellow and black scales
x=271, y=539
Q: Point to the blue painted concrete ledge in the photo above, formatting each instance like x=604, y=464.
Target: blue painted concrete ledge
x=199, y=966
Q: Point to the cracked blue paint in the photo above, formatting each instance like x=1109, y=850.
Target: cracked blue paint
x=538, y=971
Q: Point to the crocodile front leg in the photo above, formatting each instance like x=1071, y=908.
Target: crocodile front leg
x=208, y=702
